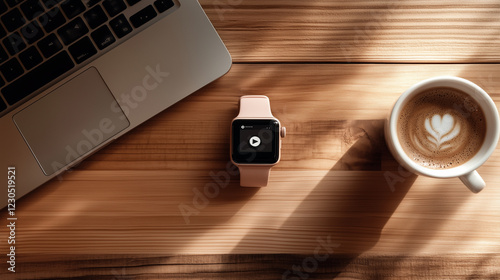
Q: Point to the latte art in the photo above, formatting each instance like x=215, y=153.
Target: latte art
x=441, y=128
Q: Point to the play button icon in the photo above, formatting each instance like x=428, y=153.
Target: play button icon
x=254, y=141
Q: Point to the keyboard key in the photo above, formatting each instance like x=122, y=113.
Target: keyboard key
x=102, y=37
x=30, y=57
x=52, y=20
x=14, y=43
x=37, y=78
x=143, y=16
x=3, y=106
x=120, y=26
x=51, y=3
x=32, y=32
x=3, y=55
x=72, y=31
x=13, y=20
x=11, y=69
x=114, y=7
x=49, y=45
x=12, y=3
x=95, y=17
x=163, y=5
x=3, y=7
x=82, y=50
x=72, y=8
x=2, y=31
x=133, y=2
x=32, y=8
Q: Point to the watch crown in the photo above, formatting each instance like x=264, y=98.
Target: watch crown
x=283, y=132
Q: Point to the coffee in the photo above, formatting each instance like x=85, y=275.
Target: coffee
x=441, y=128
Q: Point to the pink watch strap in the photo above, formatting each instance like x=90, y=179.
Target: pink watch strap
x=254, y=175
x=254, y=107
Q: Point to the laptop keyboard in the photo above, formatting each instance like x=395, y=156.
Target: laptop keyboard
x=42, y=40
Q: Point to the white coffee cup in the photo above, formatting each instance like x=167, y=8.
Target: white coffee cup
x=466, y=171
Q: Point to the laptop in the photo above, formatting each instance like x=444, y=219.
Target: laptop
x=77, y=74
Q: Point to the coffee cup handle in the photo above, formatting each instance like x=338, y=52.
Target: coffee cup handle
x=473, y=181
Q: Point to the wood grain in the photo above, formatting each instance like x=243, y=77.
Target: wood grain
x=272, y=267
x=358, y=31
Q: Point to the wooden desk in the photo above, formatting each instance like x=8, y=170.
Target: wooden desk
x=337, y=205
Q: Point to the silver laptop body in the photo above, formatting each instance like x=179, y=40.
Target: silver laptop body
x=101, y=99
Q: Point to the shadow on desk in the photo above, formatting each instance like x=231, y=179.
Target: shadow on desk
x=351, y=212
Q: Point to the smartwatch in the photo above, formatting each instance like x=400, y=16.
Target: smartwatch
x=255, y=140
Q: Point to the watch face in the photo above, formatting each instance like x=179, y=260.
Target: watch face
x=255, y=141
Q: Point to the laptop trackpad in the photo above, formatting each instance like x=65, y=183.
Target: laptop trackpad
x=67, y=123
